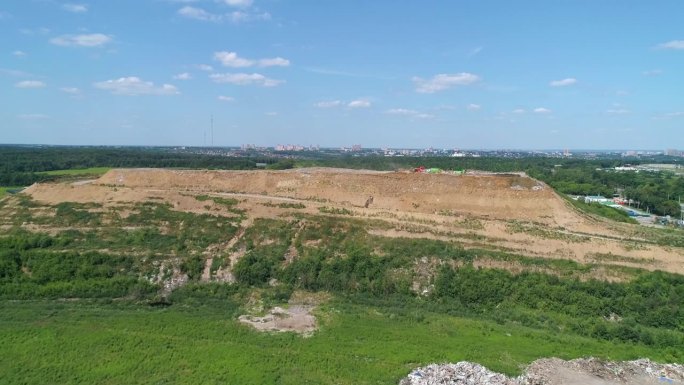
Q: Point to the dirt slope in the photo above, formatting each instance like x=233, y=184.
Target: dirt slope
x=511, y=213
x=501, y=197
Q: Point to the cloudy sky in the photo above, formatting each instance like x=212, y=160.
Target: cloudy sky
x=580, y=74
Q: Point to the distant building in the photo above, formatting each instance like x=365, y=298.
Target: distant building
x=597, y=199
x=673, y=152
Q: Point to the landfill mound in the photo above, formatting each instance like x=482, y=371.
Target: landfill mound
x=552, y=371
x=501, y=212
x=501, y=196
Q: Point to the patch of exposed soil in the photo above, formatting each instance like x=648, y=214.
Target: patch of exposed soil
x=295, y=318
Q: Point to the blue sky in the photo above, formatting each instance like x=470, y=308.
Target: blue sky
x=448, y=74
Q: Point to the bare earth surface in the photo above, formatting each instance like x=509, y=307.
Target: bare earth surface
x=510, y=212
x=296, y=318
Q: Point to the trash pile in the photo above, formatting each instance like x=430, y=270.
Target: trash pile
x=462, y=373
x=546, y=371
x=552, y=371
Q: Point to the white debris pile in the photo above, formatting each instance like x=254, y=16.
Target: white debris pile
x=661, y=371
x=546, y=371
x=462, y=373
x=552, y=371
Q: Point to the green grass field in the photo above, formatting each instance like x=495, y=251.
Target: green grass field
x=3, y=190
x=87, y=343
x=77, y=171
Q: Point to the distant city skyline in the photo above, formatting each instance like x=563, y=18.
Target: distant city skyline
x=445, y=74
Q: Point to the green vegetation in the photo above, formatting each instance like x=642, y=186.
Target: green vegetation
x=8, y=190
x=375, y=329
x=335, y=210
x=103, y=254
x=84, y=303
x=285, y=205
x=92, y=171
x=86, y=342
x=541, y=231
x=229, y=203
x=23, y=166
x=603, y=211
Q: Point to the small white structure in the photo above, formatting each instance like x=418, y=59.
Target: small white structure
x=597, y=199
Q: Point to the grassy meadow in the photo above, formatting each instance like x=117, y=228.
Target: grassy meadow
x=4, y=190
x=85, y=342
x=81, y=304
x=95, y=171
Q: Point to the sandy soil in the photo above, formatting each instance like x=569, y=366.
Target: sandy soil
x=412, y=205
x=296, y=318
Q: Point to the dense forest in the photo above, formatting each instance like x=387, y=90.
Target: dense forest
x=19, y=166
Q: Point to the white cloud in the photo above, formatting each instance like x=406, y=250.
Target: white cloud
x=86, y=40
x=205, y=67
x=243, y=79
x=563, y=82
x=135, y=86
x=401, y=111
x=652, y=72
x=32, y=116
x=231, y=59
x=239, y=16
x=75, y=8
x=239, y=3
x=674, y=44
x=36, y=31
x=475, y=51
x=542, y=110
x=15, y=73
x=18, y=53
x=271, y=113
x=235, y=16
x=71, y=90
x=226, y=98
x=442, y=82
x=618, y=111
x=669, y=115
x=328, y=104
x=274, y=62
x=518, y=111
x=359, y=103
x=199, y=14
x=473, y=107
x=410, y=113
x=30, y=84
x=182, y=76
x=424, y=116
